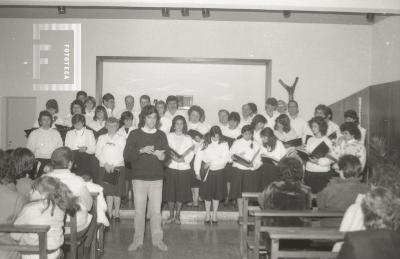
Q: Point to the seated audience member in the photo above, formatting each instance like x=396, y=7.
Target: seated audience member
x=61, y=159
x=76, y=107
x=81, y=96
x=50, y=199
x=352, y=116
x=341, y=191
x=296, y=122
x=52, y=108
x=270, y=111
x=381, y=239
x=282, y=107
x=24, y=161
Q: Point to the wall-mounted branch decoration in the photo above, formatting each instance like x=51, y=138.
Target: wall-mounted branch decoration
x=290, y=88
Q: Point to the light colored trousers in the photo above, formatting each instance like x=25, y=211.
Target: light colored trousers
x=153, y=191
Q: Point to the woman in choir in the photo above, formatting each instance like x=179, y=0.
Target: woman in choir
x=270, y=111
x=172, y=108
x=99, y=121
x=245, y=153
x=215, y=155
x=178, y=176
x=81, y=96
x=333, y=130
x=352, y=116
x=90, y=107
x=349, y=144
x=318, y=168
x=109, y=152
x=283, y=130
x=165, y=122
x=109, y=104
x=76, y=107
x=127, y=127
x=258, y=123
x=272, y=152
x=44, y=140
x=83, y=144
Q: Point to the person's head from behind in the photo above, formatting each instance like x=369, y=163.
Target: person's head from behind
x=62, y=158
x=246, y=111
x=293, y=108
x=351, y=116
x=282, y=123
x=268, y=138
x=318, y=125
x=179, y=125
x=81, y=96
x=100, y=114
x=55, y=193
x=90, y=103
x=387, y=176
x=112, y=126
x=172, y=103
x=8, y=172
x=24, y=161
x=127, y=119
x=321, y=111
x=350, y=131
x=233, y=120
x=45, y=119
x=291, y=170
x=282, y=107
x=109, y=101
x=78, y=121
x=381, y=209
x=196, y=113
x=52, y=106
x=161, y=107
x=349, y=166
x=223, y=116
x=258, y=122
x=129, y=102
x=144, y=101
x=247, y=132
x=271, y=105
x=149, y=117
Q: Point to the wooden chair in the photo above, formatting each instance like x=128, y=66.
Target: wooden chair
x=75, y=239
x=309, y=214
x=41, y=230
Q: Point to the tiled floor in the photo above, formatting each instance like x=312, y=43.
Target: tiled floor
x=184, y=242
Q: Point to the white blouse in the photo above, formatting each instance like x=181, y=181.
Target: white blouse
x=122, y=131
x=110, y=150
x=285, y=136
x=96, y=125
x=232, y=133
x=323, y=164
x=299, y=125
x=180, y=144
x=56, y=120
x=165, y=124
x=277, y=154
x=43, y=142
x=216, y=154
x=199, y=126
x=242, y=148
x=81, y=138
x=271, y=119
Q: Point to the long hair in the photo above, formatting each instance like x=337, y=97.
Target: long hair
x=23, y=160
x=248, y=128
x=271, y=143
x=100, y=108
x=146, y=111
x=177, y=118
x=7, y=170
x=284, y=120
x=56, y=194
x=215, y=130
x=77, y=102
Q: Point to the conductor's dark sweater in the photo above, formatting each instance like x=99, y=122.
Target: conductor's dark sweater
x=145, y=166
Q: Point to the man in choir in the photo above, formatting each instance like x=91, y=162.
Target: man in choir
x=270, y=111
x=129, y=104
x=282, y=107
x=81, y=96
x=144, y=100
x=296, y=122
x=109, y=104
x=172, y=108
x=52, y=107
x=248, y=112
x=223, y=120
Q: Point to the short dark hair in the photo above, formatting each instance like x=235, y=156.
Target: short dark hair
x=322, y=125
x=77, y=102
x=78, y=118
x=271, y=101
x=350, y=166
x=284, y=120
x=172, y=98
x=177, y=118
x=329, y=112
x=146, y=111
x=246, y=128
x=352, y=128
x=234, y=116
x=323, y=108
x=126, y=115
x=271, y=143
x=223, y=110
x=23, y=160
x=61, y=157
x=291, y=169
x=100, y=108
x=107, y=97
x=81, y=93
x=258, y=119
x=253, y=107
x=198, y=109
x=52, y=104
x=45, y=114
x=145, y=96
x=352, y=114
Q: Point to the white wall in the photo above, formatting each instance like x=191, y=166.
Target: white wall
x=332, y=60
x=386, y=51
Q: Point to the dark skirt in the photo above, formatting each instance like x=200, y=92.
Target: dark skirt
x=244, y=181
x=111, y=189
x=228, y=175
x=128, y=171
x=84, y=164
x=317, y=181
x=214, y=187
x=269, y=173
x=177, y=185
